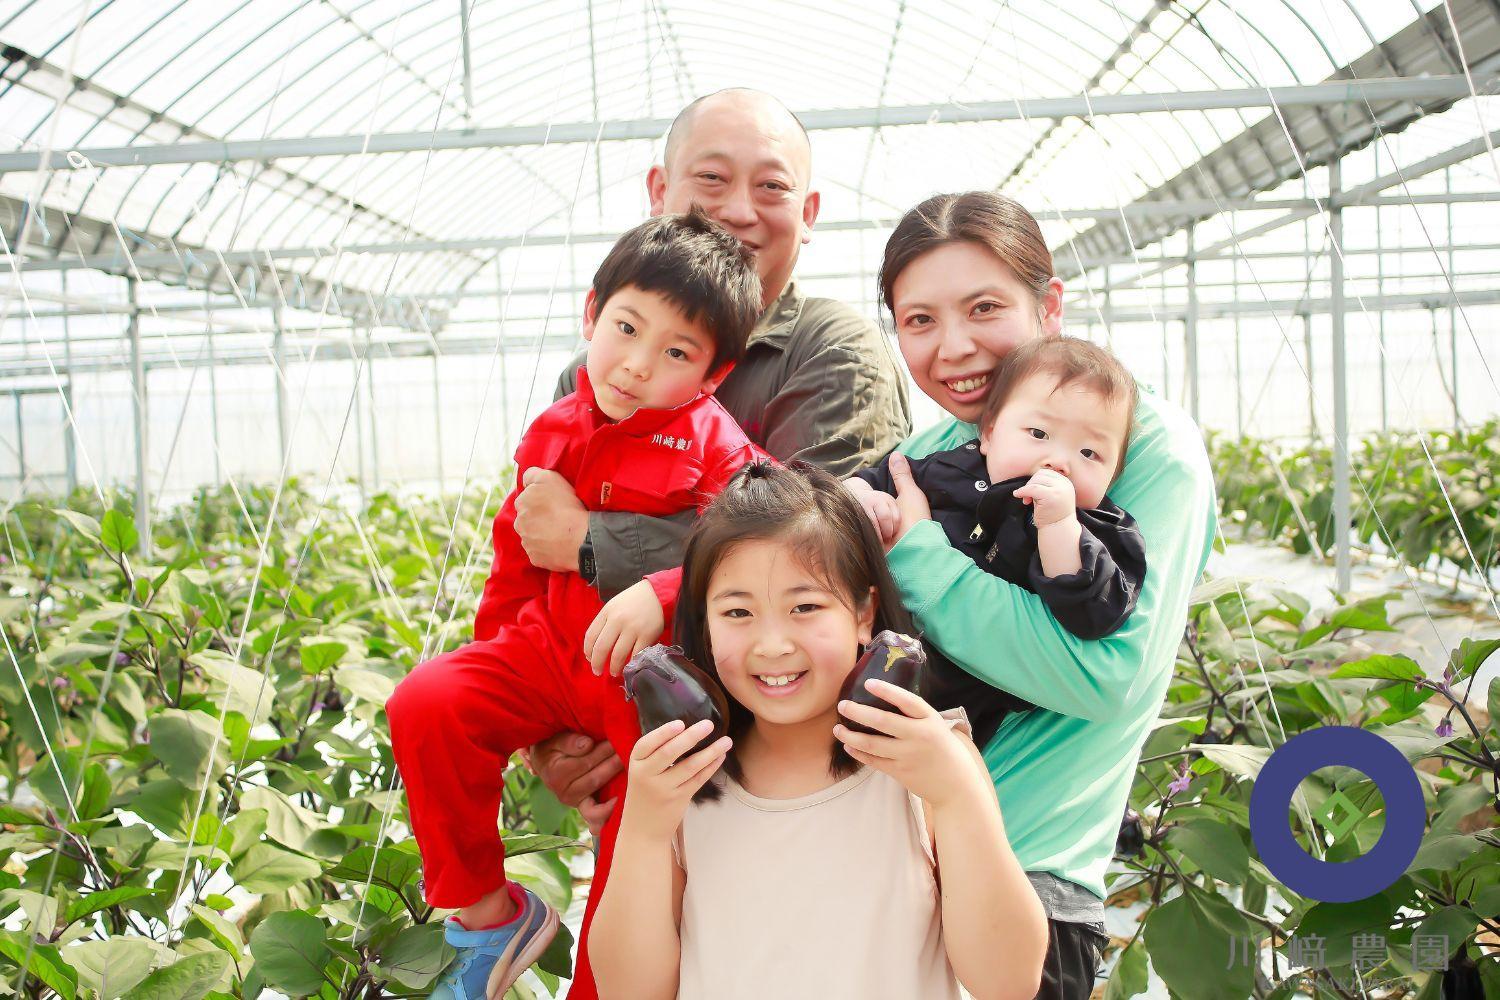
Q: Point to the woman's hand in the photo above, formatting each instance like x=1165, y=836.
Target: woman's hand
x=661, y=785
x=919, y=747
x=882, y=508
x=631, y=621
x=911, y=502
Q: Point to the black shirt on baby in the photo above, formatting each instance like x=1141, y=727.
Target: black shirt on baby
x=986, y=522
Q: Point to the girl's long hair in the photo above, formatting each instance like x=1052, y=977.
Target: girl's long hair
x=813, y=515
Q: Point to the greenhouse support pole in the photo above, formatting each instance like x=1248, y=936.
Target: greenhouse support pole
x=1312, y=408
x=1452, y=302
x=1239, y=365
x=15, y=396
x=359, y=418
x=1341, y=516
x=70, y=421
x=437, y=416
x=504, y=375
x=138, y=385
x=213, y=389
x=1190, y=325
x=1380, y=284
x=278, y=359
x=370, y=405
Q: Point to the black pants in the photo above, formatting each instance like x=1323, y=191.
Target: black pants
x=1072, y=962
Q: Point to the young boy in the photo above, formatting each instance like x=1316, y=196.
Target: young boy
x=1026, y=502
x=668, y=315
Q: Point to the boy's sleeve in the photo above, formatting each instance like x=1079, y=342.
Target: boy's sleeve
x=513, y=580
x=1096, y=600
x=1007, y=637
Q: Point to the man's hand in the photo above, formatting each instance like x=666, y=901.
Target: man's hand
x=574, y=768
x=550, y=520
x=1051, y=496
x=882, y=508
x=632, y=620
x=911, y=502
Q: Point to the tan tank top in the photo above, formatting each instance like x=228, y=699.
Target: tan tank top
x=830, y=896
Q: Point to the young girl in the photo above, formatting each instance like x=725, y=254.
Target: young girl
x=819, y=862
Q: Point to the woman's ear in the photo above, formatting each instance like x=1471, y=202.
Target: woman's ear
x=1051, y=311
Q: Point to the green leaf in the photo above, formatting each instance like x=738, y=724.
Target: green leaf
x=264, y=868
x=558, y=958
x=186, y=979
x=365, y=683
x=286, y=821
x=46, y=963
x=1213, y=847
x=291, y=950
x=518, y=844
x=82, y=523
x=1471, y=655
x=237, y=688
x=182, y=741
x=117, y=532
x=1493, y=704
x=1129, y=978
x=1454, y=923
x=394, y=866
x=223, y=933
x=1237, y=758
x=416, y=956
x=320, y=654
x=1382, y=667
x=96, y=901
x=111, y=966
x=1444, y=851
x=1195, y=942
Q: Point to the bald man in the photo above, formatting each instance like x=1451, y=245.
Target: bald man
x=818, y=383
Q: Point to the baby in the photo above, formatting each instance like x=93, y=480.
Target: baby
x=1026, y=501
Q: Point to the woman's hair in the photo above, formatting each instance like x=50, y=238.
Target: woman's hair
x=991, y=220
x=811, y=514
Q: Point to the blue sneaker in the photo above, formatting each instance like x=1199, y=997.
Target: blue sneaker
x=490, y=961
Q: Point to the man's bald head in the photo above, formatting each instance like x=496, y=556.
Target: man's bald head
x=743, y=100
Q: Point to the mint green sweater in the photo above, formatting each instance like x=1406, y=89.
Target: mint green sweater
x=1063, y=771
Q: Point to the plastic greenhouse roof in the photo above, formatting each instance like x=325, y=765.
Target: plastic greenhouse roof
x=147, y=72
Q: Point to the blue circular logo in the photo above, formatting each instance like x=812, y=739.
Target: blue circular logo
x=1337, y=881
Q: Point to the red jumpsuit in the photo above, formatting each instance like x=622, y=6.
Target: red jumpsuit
x=456, y=719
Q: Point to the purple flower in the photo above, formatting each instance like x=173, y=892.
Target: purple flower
x=121, y=659
x=1445, y=728
x=1180, y=783
x=59, y=682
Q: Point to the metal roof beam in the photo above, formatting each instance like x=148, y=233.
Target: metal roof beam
x=1416, y=89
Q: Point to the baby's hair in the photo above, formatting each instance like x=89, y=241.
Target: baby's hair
x=1069, y=360
x=814, y=516
x=699, y=266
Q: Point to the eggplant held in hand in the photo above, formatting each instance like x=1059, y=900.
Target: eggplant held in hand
x=666, y=685
x=891, y=657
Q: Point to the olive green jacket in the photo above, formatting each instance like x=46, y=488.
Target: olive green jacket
x=818, y=383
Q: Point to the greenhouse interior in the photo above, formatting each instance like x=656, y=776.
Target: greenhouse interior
x=289, y=284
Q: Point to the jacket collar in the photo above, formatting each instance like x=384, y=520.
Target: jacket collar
x=775, y=324
x=642, y=421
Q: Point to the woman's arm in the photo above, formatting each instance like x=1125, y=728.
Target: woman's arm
x=994, y=927
x=633, y=943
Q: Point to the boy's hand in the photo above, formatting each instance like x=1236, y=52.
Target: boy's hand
x=661, y=785
x=919, y=749
x=882, y=508
x=632, y=620
x=1051, y=494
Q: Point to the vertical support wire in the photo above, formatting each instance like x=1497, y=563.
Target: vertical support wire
x=1341, y=515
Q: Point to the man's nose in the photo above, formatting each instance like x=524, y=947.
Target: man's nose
x=737, y=209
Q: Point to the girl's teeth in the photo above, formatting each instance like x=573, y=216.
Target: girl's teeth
x=969, y=384
x=779, y=681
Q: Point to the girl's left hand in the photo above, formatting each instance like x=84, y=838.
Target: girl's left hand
x=632, y=620
x=919, y=747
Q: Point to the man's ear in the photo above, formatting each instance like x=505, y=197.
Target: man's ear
x=656, y=189
x=1052, y=308
x=810, y=206
x=590, y=315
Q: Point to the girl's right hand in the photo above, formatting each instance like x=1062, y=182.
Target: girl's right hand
x=661, y=785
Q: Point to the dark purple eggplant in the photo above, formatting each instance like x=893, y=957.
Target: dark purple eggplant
x=666, y=685
x=892, y=657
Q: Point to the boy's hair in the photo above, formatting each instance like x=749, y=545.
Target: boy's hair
x=699, y=266
x=1069, y=360
x=811, y=513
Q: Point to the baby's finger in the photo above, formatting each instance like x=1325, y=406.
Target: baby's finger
x=911, y=705
x=653, y=741
x=890, y=723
